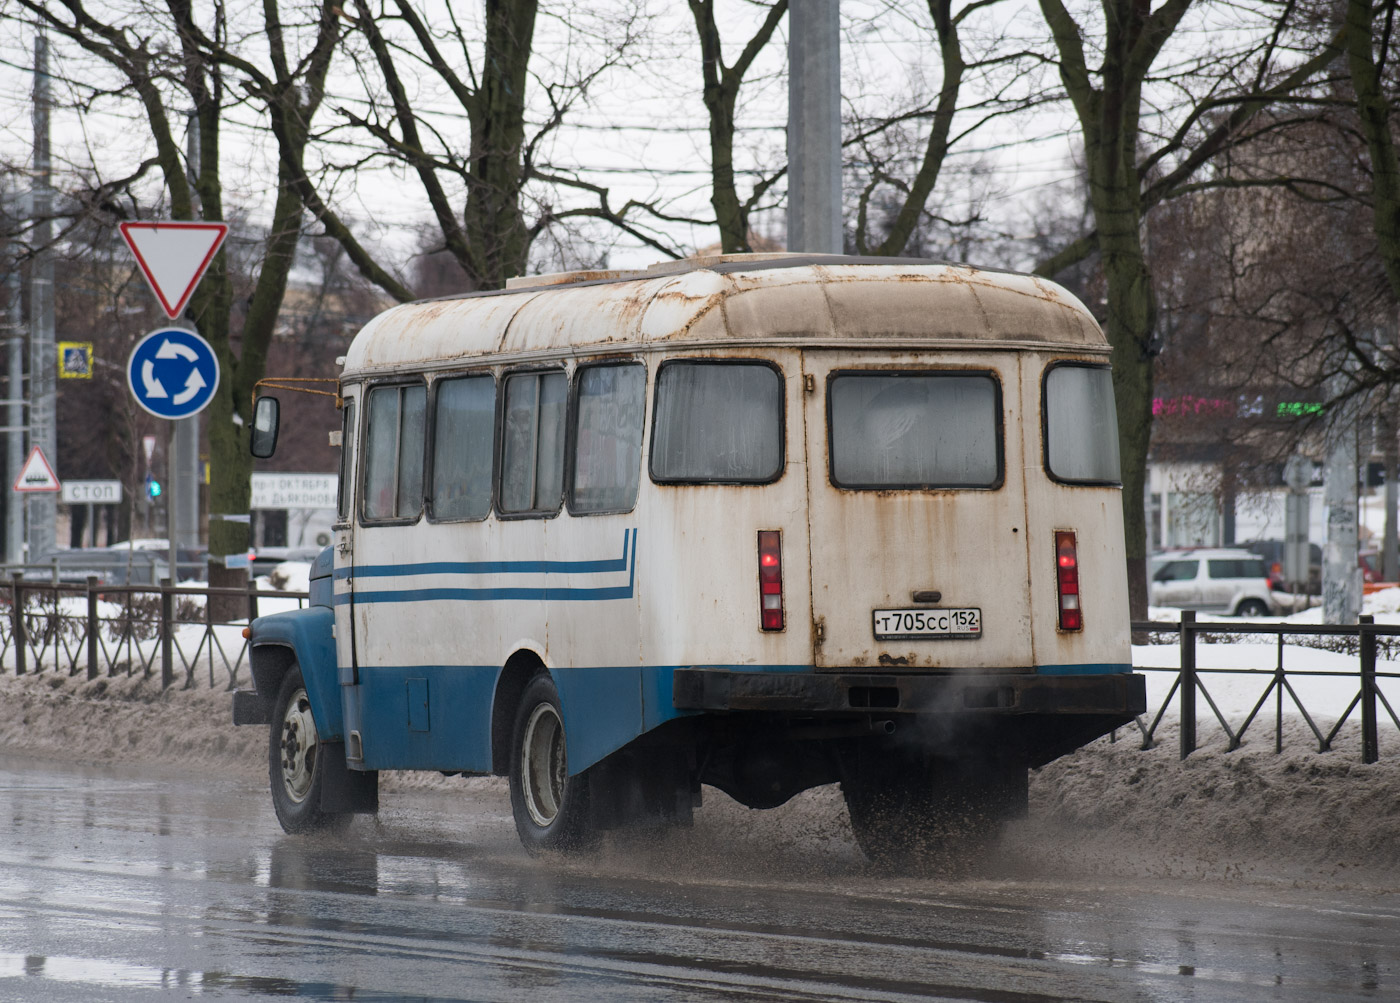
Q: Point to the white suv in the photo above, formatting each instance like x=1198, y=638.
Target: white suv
x=1235, y=582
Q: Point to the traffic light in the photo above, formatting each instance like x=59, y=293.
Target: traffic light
x=152, y=488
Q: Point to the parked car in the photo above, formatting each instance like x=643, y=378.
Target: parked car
x=142, y=543
x=267, y=558
x=1272, y=553
x=192, y=563
x=111, y=567
x=1235, y=582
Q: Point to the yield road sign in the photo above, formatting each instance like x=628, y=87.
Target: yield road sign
x=36, y=474
x=173, y=373
x=173, y=257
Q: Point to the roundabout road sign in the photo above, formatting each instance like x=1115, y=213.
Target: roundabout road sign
x=173, y=373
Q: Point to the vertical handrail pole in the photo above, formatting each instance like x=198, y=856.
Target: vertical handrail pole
x=167, y=635
x=92, y=626
x=1370, y=744
x=1188, y=683
x=1278, y=699
x=17, y=621
x=252, y=596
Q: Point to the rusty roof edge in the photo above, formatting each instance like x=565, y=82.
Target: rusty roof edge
x=820, y=274
x=720, y=267
x=527, y=296
x=565, y=352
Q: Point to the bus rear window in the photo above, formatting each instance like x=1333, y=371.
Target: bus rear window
x=1081, y=425
x=717, y=422
x=914, y=430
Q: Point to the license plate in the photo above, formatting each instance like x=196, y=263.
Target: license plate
x=934, y=624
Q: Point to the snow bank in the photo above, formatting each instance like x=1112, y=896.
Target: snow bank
x=1110, y=808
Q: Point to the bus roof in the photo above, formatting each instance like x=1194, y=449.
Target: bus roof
x=732, y=301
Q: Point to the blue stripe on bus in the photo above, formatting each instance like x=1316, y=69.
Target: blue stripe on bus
x=495, y=567
x=1084, y=668
x=562, y=594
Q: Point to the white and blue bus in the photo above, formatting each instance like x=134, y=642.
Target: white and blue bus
x=752, y=522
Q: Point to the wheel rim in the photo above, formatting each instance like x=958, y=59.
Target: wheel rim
x=542, y=752
x=298, y=746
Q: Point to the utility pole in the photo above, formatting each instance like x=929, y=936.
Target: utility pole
x=14, y=397
x=814, y=127
x=182, y=451
x=1341, y=578
x=1390, y=543
x=43, y=509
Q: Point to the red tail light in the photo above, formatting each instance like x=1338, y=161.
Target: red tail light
x=1067, y=581
x=770, y=579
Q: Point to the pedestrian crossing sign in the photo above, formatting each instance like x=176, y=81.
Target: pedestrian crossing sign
x=75, y=360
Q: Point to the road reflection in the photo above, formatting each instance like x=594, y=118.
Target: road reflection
x=97, y=974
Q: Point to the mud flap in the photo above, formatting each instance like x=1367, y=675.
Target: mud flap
x=344, y=790
x=251, y=707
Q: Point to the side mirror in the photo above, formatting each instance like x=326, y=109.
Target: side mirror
x=263, y=441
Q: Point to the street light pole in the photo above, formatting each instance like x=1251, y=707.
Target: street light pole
x=814, y=127
x=43, y=509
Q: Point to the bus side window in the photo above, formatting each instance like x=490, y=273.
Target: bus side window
x=718, y=422
x=532, y=447
x=464, y=421
x=394, y=453
x=347, y=441
x=1080, y=424
x=609, y=404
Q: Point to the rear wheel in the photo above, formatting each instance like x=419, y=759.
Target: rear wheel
x=295, y=766
x=917, y=817
x=1252, y=607
x=550, y=807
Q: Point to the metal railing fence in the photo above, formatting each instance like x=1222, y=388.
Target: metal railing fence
x=116, y=630
x=1363, y=639
x=127, y=630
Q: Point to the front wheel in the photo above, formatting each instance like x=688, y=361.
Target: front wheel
x=295, y=766
x=550, y=807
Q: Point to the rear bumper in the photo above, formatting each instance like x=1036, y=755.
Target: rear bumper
x=1120, y=694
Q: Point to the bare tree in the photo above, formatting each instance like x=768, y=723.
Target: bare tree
x=477, y=190
x=1108, y=100
x=721, y=95
x=899, y=155
x=1371, y=63
x=167, y=60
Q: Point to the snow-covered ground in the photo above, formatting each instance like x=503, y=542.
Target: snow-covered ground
x=1325, y=682
x=1111, y=808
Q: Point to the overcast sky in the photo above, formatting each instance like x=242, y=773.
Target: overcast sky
x=642, y=131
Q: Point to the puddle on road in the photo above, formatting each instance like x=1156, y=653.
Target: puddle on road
x=20, y=969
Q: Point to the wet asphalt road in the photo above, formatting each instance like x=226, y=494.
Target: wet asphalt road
x=124, y=885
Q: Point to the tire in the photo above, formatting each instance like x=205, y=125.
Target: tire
x=295, y=768
x=1252, y=607
x=913, y=819
x=550, y=807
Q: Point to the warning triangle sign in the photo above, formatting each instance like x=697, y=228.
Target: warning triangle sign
x=173, y=257
x=36, y=474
